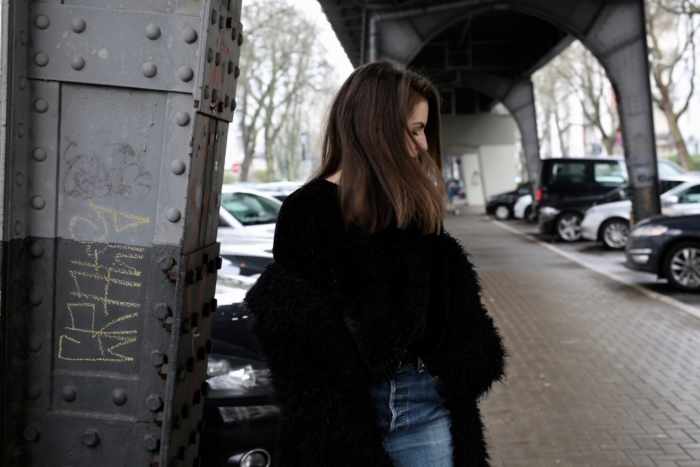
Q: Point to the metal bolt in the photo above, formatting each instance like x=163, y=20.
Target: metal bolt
x=236, y=72
x=230, y=67
x=173, y=273
x=21, y=130
x=38, y=202
x=178, y=167
x=36, y=250
x=30, y=433
x=240, y=39
x=165, y=262
x=189, y=364
x=149, y=69
x=173, y=215
x=233, y=104
x=33, y=392
x=39, y=154
x=210, y=55
x=213, y=304
x=181, y=372
x=41, y=105
x=199, y=273
x=189, y=35
x=42, y=21
x=157, y=358
x=205, y=310
x=119, y=396
x=155, y=461
x=204, y=388
x=68, y=394
x=168, y=323
x=229, y=23
x=34, y=344
x=219, y=262
x=151, y=443
x=208, y=345
x=185, y=326
x=78, y=25
x=213, y=16
x=41, y=59
x=159, y=419
x=189, y=277
x=201, y=353
x=90, y=438
x=163, y=371
x=206, y=92
x=35, y=298
x=194, y=320
x=17, y=453
x=152, y=31
x=214, y=96
x=161, y=311
x=221, y=22
x=218, y=59
x=234, y=34
x=154, y=403
x=18, y=228
x=182, y=118
x=23, y=38
x=185, y=73
x=77, y=63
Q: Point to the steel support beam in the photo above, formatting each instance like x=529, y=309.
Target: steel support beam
x=115, y=119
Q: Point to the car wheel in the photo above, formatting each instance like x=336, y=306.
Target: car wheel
x=614, y=234
x=528, y=213
x=569, y=226
x=682, y=266
x=502, y=212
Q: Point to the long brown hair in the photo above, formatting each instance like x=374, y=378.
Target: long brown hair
x=365, y=138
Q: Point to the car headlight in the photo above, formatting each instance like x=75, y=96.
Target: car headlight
x=231, y=376
x=549, y=211
x=649, y=231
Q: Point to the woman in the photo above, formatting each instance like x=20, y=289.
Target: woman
x=370, y=315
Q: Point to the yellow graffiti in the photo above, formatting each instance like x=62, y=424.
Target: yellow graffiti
x=107, y=271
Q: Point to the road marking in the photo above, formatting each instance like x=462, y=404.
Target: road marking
x=691, y=310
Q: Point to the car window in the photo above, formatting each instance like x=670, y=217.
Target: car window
x=608, y=172
x=691, y=195
x=668, y=170
x=564, y=173
x=223, y=222
x=665, y=185
x=524, y=190
x=250, y=209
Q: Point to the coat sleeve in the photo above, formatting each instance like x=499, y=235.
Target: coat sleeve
x=320, y=383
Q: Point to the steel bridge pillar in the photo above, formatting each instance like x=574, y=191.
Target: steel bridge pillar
x=115, y=118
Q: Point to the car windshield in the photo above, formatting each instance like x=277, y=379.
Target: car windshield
x=618, y=194
x=250, y=209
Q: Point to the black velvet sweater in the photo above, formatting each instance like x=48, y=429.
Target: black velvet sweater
x=335, y=312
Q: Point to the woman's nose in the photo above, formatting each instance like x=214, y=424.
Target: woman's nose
x=423, y=142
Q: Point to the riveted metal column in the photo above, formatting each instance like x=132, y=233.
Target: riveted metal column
x=115, y=124
x=520, y=101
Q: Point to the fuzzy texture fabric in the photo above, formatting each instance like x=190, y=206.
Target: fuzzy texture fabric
x=335, y=312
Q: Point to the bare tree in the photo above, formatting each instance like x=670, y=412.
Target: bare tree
x=281, y=63
x=552, y=93
x=671, y=38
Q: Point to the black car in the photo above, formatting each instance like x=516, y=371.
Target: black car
x=668, y=247
x=240, y=419
x=501, y=205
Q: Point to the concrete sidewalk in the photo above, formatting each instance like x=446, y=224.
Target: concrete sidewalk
x=599, y=374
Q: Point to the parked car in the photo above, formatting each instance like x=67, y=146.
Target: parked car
x=523, y=207
x=568, y=187
x=278, y=190
x=249, y=255
x=240, y=420
x=501, y=205
x=246, y=213
x=608, y=222
x=668, y=246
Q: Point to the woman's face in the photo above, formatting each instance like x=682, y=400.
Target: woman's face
x=416, y=123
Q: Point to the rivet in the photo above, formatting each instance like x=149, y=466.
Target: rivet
x=213, y=16
x=22, y=38
x=41, y=59
x=149, y=69
x=157, y=357
x=240, y=39
x=90, y=438
x=17, y=453
x=229, y=67
x=214, y=95
x=33, y=392
x=178, y=167
x=161, y=311
x=35, y=298
x=22, y=83
x=34, y=344
x=18, y=228
x=236, y=72
x=152, y=31
x=221, y=22
x=36, y=250
x=38, y=202
x=185, y=73
x=189, y=35
x=229, y=23
x=68, y=394
x=233, y=104
x=21, y=130
x=77, y=63
x=30, y=433
x=210, y=55
x=206, y=94
x=234, y=34
x=78, y=25
x=218, y=59
x=42, y=21
x=165, y=262
x=173, y=215
x=201, y=353
x=227, y=101
x=19, y=179
x=182, y=118
x=159, y=419
x=151, y=443
x=154, y=403
x=39, y=154
x=119, y=397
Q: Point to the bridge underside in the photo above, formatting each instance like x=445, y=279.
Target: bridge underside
x=480, y=52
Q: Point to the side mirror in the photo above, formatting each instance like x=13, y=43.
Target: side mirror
x=670, y=200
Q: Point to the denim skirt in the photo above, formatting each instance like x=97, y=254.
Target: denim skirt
x=412, y=414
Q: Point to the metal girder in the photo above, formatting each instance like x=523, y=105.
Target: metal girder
x=115, y=117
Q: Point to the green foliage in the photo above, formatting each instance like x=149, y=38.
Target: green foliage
x=229, y=177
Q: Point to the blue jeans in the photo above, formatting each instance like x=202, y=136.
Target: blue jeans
x=411, y=411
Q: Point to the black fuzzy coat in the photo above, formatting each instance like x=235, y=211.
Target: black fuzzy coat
x=333, y=314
